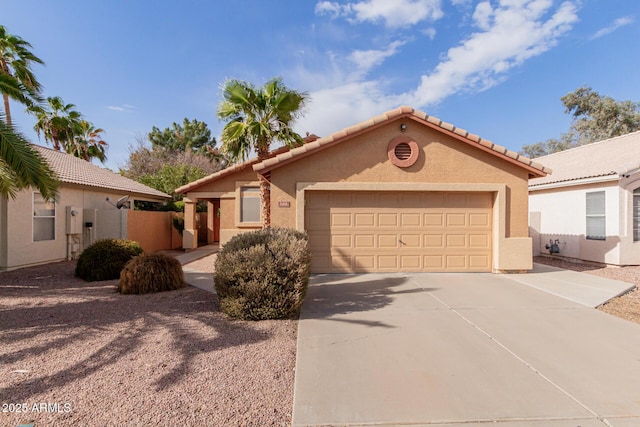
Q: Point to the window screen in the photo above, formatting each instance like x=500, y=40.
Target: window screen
x=250, y=204
x=44, y=219
x=596, y=216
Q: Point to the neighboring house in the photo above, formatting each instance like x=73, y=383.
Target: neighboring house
x=589, y=208
x=33, y=231
x=402, y=191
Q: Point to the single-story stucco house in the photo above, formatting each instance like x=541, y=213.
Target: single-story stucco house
x=589, y=208
x=33, y=231
x=402, y=191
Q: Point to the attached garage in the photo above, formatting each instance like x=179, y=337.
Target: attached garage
x=403, y=191
x=368, y=231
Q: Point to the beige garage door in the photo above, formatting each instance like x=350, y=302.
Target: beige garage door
x=364, y=231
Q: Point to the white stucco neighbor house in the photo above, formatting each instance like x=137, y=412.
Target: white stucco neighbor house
x=589, y=208
x=33, y=231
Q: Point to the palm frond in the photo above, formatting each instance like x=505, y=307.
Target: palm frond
x=28, y=167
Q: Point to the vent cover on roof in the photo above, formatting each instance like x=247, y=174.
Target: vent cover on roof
x=403, y=151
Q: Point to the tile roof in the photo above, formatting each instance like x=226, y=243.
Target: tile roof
x=73, y=170
x=607, y=159
x=534, y=168
x=235, y=168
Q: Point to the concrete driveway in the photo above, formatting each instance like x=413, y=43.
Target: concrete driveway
x=460, y=350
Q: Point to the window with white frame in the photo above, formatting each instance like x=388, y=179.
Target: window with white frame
x=596, y=218
x=44, y=219
x=249, y=204
x=636, y=215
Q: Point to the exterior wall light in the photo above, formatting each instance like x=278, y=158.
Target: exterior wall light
x=403, y=127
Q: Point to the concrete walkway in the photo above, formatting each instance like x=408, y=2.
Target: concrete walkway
x=193, y=277
x=582, y=288
x=462, y=350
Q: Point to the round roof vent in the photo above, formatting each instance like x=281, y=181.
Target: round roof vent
x=403, y=151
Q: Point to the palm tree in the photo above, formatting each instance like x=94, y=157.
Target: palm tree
x=57, y=121
x=17, y=81
x=21, y=166
x=257, y=117
x=88, y=143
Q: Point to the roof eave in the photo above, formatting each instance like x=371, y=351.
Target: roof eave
x=575, y=182
x=534, y=169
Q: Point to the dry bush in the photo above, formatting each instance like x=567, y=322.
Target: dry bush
x=151, y=273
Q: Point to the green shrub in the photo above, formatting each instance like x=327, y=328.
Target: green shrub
x=263, y=274
x=151, y=273
x=104, y=259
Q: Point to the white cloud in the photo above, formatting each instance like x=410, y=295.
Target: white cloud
x=394, y=14
x=510, y=33
x=618, y=23
x=515, y=31
x=125, y=108
x=338, y=107
x=365, y=60
x=430, y=32
x=482, y=15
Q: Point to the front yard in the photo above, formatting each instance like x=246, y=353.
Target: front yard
x=76, y=353
x=79, y=354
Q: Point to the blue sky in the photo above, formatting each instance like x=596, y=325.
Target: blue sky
x=495, y=68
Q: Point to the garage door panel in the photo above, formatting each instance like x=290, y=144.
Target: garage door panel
x=433, y=219
x=410, y=220
x=410, y=262
x=340, y=219
x=365, y=241
x=364, y=219
x=388, y=219
x=433, y=241
x=456, y=240
x=433, y=262
x=479, y=219
x=387, y=262
x=410, y=241
x=403, y=231
x=479, y=241
x=365, y=262
x=479, y=261
x=456, y=261
x=341, y=241
x=457, y=219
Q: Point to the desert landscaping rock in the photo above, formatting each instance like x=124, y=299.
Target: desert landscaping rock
x=94, y=357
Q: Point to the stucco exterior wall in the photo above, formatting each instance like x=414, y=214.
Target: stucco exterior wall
x=17, y=227
x=562, y=216
x=364, y=159
x=224, y=189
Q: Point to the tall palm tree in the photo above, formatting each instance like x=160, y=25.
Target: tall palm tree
x=17, y=81
x=257, y=117
x=57, y=121
x=21, y=166
x=87, y=143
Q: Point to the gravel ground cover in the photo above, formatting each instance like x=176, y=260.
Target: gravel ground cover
x=74, y=353
x=626, y=306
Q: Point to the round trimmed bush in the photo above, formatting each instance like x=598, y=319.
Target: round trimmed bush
x=151, y=273
x=263, y=274
x=104, y=259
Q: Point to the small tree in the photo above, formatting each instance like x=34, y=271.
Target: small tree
x=595, y=117
x=256, y=118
